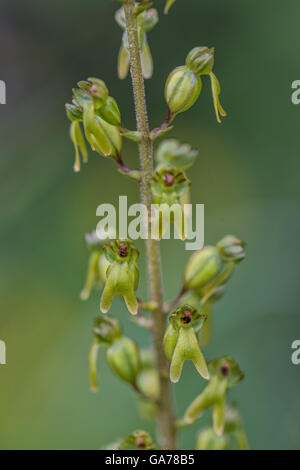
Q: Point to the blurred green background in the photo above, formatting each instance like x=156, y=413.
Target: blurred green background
x=247, y=175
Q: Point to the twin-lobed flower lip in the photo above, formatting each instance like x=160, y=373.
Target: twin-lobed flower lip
x=181, y=343
x=122, y=275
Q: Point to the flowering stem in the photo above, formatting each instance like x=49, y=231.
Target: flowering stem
x=165, y=420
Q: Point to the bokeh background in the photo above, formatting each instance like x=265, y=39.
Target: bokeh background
x=247, y=175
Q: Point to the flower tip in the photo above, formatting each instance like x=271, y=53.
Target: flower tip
x=134, y=311
x=173, y=379
x=94, y=388
x=219, y=430
x=206, y=376
x=84, y=295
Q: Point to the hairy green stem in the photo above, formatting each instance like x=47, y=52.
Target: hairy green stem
x=165, y=419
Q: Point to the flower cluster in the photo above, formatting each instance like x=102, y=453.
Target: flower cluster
x=101, y=118
x=113, y=263
x=146, y=20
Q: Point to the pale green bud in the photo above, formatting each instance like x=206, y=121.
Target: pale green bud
x=74, y=112
x=182, y=90
x=202, y=268
x=110, y=112
x=106, y=330
x=148, y=383
x=231, y=248
x=209, y=440
x=148, y=19
x=103, y=137
x=97, y=90
x=200, y=60
x=124, y=359
x=172, y=154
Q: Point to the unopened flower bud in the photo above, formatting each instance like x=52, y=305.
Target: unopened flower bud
x=182, y=90
x=200, y=60
x=122, y=275
x=74, y=112
x=148, y=383
x=110, y=112
x=98, y=91
x=231, y=248
x=103, y=137
x=202, y=268
x=209, y=440
x=106, y=330
x=148, y=19
x=172, y=154
x=123, y=358
x=181, y=343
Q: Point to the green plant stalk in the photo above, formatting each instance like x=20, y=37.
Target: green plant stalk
x=165, y=420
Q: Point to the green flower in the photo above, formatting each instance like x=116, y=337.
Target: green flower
x=182, y=90
x=181, y=343
x=168, y=188
x=146, y=21
x=225, y=373
x=122, y=275
x=184, y=83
